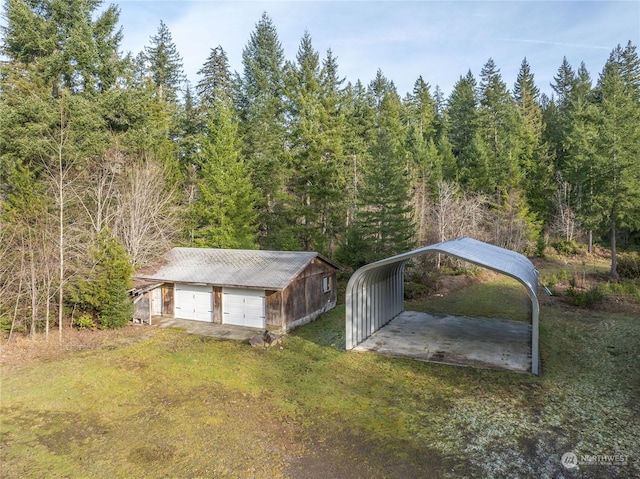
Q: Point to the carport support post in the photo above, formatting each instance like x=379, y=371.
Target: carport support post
x=535, y=346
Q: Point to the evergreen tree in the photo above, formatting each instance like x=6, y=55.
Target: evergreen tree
x=316, y=184
x=426, y=169
x=189, y=127
x=71, y=44
x=504, y=139
x=422, y=110
x=380, y=87
x=358, y=135
x=462, y=126
x=564, y=83
x=497, y=123
x=384, y=217
x=262, y=125
x=224, y=214
x=629, y=64
x=103, y=290
x=616, y=193
x=580, y=147
x=525, y=91
x=535, y=160
x=164, y=64
x=563, y=86
x=216, y=82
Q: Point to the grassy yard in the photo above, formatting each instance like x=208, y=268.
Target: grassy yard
x=168, y=404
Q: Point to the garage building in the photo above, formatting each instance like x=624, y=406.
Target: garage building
x=251, y=288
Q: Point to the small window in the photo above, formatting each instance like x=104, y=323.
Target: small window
x=326, y=284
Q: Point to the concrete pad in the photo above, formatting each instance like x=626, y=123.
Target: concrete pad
x=480, y=342
x=223, y=331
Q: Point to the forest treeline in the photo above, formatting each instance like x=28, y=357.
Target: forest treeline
x=108, y=159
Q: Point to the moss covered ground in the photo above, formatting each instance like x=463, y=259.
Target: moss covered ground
x=169, y=404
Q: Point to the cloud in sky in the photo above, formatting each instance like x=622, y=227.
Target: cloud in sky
x=438, y=40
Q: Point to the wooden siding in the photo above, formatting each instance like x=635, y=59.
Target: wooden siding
x=301, y=299
x=167, y=300
x=273, y=308
x=217, y=304
x=305, y=294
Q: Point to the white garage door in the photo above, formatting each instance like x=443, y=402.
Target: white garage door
x=193, y=302
x=243, y=307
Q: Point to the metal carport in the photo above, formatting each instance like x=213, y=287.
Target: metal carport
x=375, y=292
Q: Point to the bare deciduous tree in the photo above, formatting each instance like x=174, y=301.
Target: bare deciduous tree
x=146, y=219
x=96, y=195
x=565, y=222
x=456, y=215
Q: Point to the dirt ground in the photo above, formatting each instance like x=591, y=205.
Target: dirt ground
x=22, y=349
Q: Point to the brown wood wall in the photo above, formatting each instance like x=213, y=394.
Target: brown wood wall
x=167, y=300
x=217, y=304
x=305, y=295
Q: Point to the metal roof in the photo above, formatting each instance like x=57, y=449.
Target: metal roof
x=258, y=269
x=375, y=293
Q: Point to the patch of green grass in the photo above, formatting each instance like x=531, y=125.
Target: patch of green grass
x=330, y=331
x=178, y=405
x=501, y=297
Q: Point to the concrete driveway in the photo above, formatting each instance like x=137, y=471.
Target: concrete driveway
x=223, y=331
x=481, y=342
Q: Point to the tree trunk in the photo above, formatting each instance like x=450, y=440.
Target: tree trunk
x=61, y=194
x=614, y=261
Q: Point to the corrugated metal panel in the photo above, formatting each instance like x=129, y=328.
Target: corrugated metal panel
x=375, y=293
x=272, y=270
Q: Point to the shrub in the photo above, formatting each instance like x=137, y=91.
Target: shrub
x=102, y=291
x=84, y=321
x=586, y=299
x=629, y=265
x=568, y=247
x=414, y=290
x=627, y=288
x=5, y=323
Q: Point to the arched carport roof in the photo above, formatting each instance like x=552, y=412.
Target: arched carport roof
x=375, y=292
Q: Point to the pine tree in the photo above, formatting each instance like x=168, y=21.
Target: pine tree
x=262, y=124
x=462, y=125
x=535, y=160
x=71, y=44
x=103, y=290
x=224, y=214
x=525, y=91
x=384, y=219
x=316, y=184
x=164, y=64
x=426, y=169
x=498, y=120
x=617, y=190
x=559, y=124
x=580, y=148
x=422, y=109
x=216, y=83
x=358, y=135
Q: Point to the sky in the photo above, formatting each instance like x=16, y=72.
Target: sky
x=438, y=40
